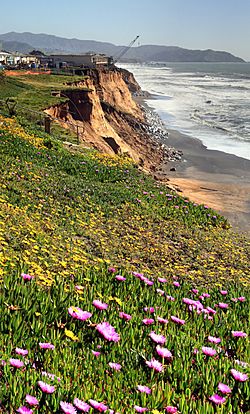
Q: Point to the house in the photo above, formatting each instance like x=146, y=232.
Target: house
x=13, y=59
x=28, y=59
x=4, y=57
x=89, y=60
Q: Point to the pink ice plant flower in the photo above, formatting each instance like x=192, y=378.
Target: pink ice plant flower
x=170, y=298
x=100, y=305
x=16, y=363
x=148, y=282
x=162, y=320
x=125, y=316
x=67, y=408
x=81, y=405
x=163, y=352
x=137, y=275
x=96, y=353
x=144, y=388
x=239, y=334
x=159, y=339
x=148, y=321
x=155, y=365
x=171, y=409
x=225, y=389
x=26, y=276
x=79, y=287
x=217, y=399
x=46, y=345
x=242, y=298
x=120, y=278
x=189, y=301
x=223, y=292
x=160, y=291
x=141, y=277
x=78, y=313
x=162, y=280
x=115, y=366
x=239, y=376
x=177, y=320
x=211, y=310
x=176, y=284
x=46, y=388
x=151, y=309
x=195, y=304
x=139, y=409
x=108, y=332
x=31, y=400
x=24, y=410
x=223, y=305
x=208, y=351
x=21, y=351
x=208, y=317
x=99, y=406
x=213, y=339
x=111, y=269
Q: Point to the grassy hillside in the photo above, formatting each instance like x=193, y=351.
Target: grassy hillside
x=71, y=222
x=66, y=210
x=34, y=91
x=29, y=95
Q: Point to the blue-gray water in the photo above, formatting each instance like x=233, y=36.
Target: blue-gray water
x=209, y=101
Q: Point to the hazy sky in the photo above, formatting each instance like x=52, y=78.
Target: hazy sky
x=201, y=24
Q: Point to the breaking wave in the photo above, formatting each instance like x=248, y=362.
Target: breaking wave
x=208, y=101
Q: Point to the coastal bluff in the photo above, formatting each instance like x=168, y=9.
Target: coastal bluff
x=102, y=108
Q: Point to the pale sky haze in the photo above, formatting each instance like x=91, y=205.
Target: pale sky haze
x=193, y=24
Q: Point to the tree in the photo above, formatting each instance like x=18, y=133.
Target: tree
x=37, y=53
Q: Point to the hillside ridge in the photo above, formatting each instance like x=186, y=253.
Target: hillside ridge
x=160, y=53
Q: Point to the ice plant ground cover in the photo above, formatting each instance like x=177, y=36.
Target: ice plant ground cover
x=123, y=373
x=65, y=218
x=68, y=211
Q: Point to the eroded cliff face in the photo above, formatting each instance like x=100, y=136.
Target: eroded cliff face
x=101, y=107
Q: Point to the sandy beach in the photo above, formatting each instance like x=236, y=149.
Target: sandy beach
x=214, y=178
x=211, y=177
x=207, y=99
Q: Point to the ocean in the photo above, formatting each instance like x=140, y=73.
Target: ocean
x=208, y=101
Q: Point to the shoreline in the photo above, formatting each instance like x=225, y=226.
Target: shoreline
x=212, y=177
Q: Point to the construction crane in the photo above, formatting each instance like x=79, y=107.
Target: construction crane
x=124, y=50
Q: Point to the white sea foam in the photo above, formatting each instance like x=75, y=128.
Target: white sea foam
x=207, y=101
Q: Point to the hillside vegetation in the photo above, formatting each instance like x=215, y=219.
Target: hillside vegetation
x=68, y=209
x=116, y=294
x=34, y=92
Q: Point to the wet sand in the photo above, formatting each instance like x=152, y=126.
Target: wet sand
x=214, y=178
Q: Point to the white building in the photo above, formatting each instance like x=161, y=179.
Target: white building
x=90, y=60
x=7, y=58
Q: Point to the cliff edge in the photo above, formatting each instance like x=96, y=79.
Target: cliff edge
x=102, y=109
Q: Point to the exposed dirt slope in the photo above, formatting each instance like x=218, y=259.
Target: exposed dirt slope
x=107, y=117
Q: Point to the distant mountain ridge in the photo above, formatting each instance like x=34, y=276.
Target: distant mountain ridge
x=25, y=42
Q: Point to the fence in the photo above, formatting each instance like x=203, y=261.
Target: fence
x=56, y=127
